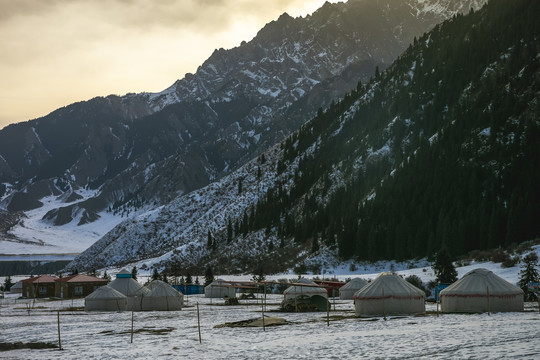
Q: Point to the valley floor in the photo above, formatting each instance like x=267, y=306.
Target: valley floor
x=306, y=336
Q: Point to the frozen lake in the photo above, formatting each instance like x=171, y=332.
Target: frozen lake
x=306, y=336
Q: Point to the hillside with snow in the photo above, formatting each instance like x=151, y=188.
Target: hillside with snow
x=347, y=181
x=141, y=151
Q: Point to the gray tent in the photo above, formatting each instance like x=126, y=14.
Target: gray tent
x=470, y=294
x=219, y=289
x=17, y=288
x=389, y=294
x=296, y=295
x=105, y=298
x=347, y=291
x=160, y=297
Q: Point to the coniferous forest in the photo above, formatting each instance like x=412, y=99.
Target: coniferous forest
x=439, y=149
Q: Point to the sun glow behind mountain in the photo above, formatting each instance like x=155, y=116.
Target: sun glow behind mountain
x=56, y=53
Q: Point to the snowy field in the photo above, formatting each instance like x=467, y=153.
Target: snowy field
x=306, y=336
x=42, y=240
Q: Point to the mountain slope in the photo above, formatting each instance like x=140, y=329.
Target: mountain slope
x=448, y=131
x=145, y=149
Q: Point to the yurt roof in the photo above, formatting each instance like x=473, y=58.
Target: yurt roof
x=126, y=286
x=123, y=274
x=218, y=282
x=391, y=285
x=106, y=292
x=478, y=281
x=356, y=283
x=160, y=288
x=305, y=290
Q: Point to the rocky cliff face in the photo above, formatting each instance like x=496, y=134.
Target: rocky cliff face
x=149, y=148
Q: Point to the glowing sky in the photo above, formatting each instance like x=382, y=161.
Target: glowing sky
x=56, y=52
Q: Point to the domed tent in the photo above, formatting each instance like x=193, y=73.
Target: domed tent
x=125, y=284
x=470, y=294
x=219, y=289
x=389, y=294
x=160, y=297
x=347, y=291
x=105, y=298
x=305, y=298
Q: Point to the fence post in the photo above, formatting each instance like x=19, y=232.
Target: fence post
x=59, y=339
x=199, y=324
x=132, y=326
x=487, y=291
x=327, y=312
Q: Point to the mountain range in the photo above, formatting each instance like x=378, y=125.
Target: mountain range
x=196, y=171
x=438, y=150
x=143, y=150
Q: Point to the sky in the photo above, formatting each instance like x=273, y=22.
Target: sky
x=56, y=52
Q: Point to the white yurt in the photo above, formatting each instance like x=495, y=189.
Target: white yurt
x=135, y=301
x=470, y=294
x=313, y=294
x=159, y=297
x=105, y=298
x=125, y=284
x=219, y=289
x=347, y=291
x=389, y=294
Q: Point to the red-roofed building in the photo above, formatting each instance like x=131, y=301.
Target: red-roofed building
x=39, y=286
x=76, y=286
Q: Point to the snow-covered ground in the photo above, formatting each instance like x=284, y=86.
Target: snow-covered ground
x=306, y=336
x=45, y=241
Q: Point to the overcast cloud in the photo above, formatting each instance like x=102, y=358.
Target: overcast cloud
x=55, y=52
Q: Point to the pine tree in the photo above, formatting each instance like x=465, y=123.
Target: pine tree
x=239, y=186
x=106, y=276
x=258, y=276
x=314, y=245
x=529, y=274
x=134, y=273
x=229, y=231
x=208, y=276
x=189, y=279
x=209, y=244
x=155, y=275
x=8, y=283
x=444, y=269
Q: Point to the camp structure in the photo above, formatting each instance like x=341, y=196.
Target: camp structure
x=159, y=296
x=77, y=286
x=389, y=294
x=17, y=288
x=105, y=298
x=480, y=290
x=308, y=297
x=220, y=289
x=347, y=291
x=39, y=287
x=125, y=284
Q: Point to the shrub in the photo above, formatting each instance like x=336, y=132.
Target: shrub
x=510, y=262
x=416, y=281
